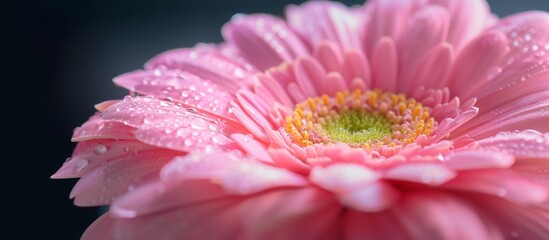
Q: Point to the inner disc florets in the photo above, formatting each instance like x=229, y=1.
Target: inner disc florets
x=360, y=119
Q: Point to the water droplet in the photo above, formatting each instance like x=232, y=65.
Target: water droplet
x=440, y=157
x=130, y=150
x=527, y=37
x=100, y=149
x=188, y=142
x=220, y=140
x=199, y=124
x=193, y=55
x=535, y=47
x=68, y=159
x=183, y=132
x=80, y=165
x=191, y=110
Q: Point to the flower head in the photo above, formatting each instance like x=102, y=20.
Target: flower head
x=392, y=120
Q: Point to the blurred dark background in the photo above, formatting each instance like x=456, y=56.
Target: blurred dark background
x=65, y=55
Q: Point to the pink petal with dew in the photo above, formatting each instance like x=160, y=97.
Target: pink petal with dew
x=159, y=196
x=526, y=60
x=97, y=128
x=264, y=40
x=500, y=183
x=193, y=222
x=231, y=171
x=105, y=183
x=329, y=56
x=380, y=225
x=181, y=87
x=206, y=62
x=468, y=70
x=333, y=22
x=168, y=125
x=431, y=215
x=514, y=221
x=104, y=105
x=467, y=20
x=284, y=213
x=478, y=159
x=517, y=80
x=355, y=186
x=385, y=64
x=534, y=115
x=90, y=154
x=433, y=174
x=529, y=144
x=427, y=28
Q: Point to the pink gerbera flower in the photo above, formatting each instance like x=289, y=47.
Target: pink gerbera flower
x=392, y=120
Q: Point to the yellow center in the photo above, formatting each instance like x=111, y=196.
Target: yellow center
x=360, y=119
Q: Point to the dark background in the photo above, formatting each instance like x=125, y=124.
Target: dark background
x=65, y=54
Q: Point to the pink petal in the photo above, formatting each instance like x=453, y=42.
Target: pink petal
x=526, y=144
x=525, y=61
x=329, y=55
x=168, y=125
x=309, y=75
x=467, y=20
x=333, y=22
x=92, y=153
x=274, y=218
x=101, y=228
x=387, y=19
x=515, y=221
x=97, y=128
x=111, y=179
x=385, y=64
x=254, y=148
x=264, y=40
x=435, y=66
x=283, y=159
x=356, y=66
x=184, y=223
x=432, y=174
x=254, y=106
x=427, y=28
x=207, y=63
x=276, y=90
x=158, y=196
x=471, y=160
x=382, y=226
x=468, y=69
x=429, y=215
x=235, y=175
x=355, y=186
x=500, y=183
x=182, y=87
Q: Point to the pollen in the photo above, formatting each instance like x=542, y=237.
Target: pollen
x=362, y=119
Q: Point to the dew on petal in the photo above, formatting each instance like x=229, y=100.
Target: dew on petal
x=81, y=164
x=100, y=149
